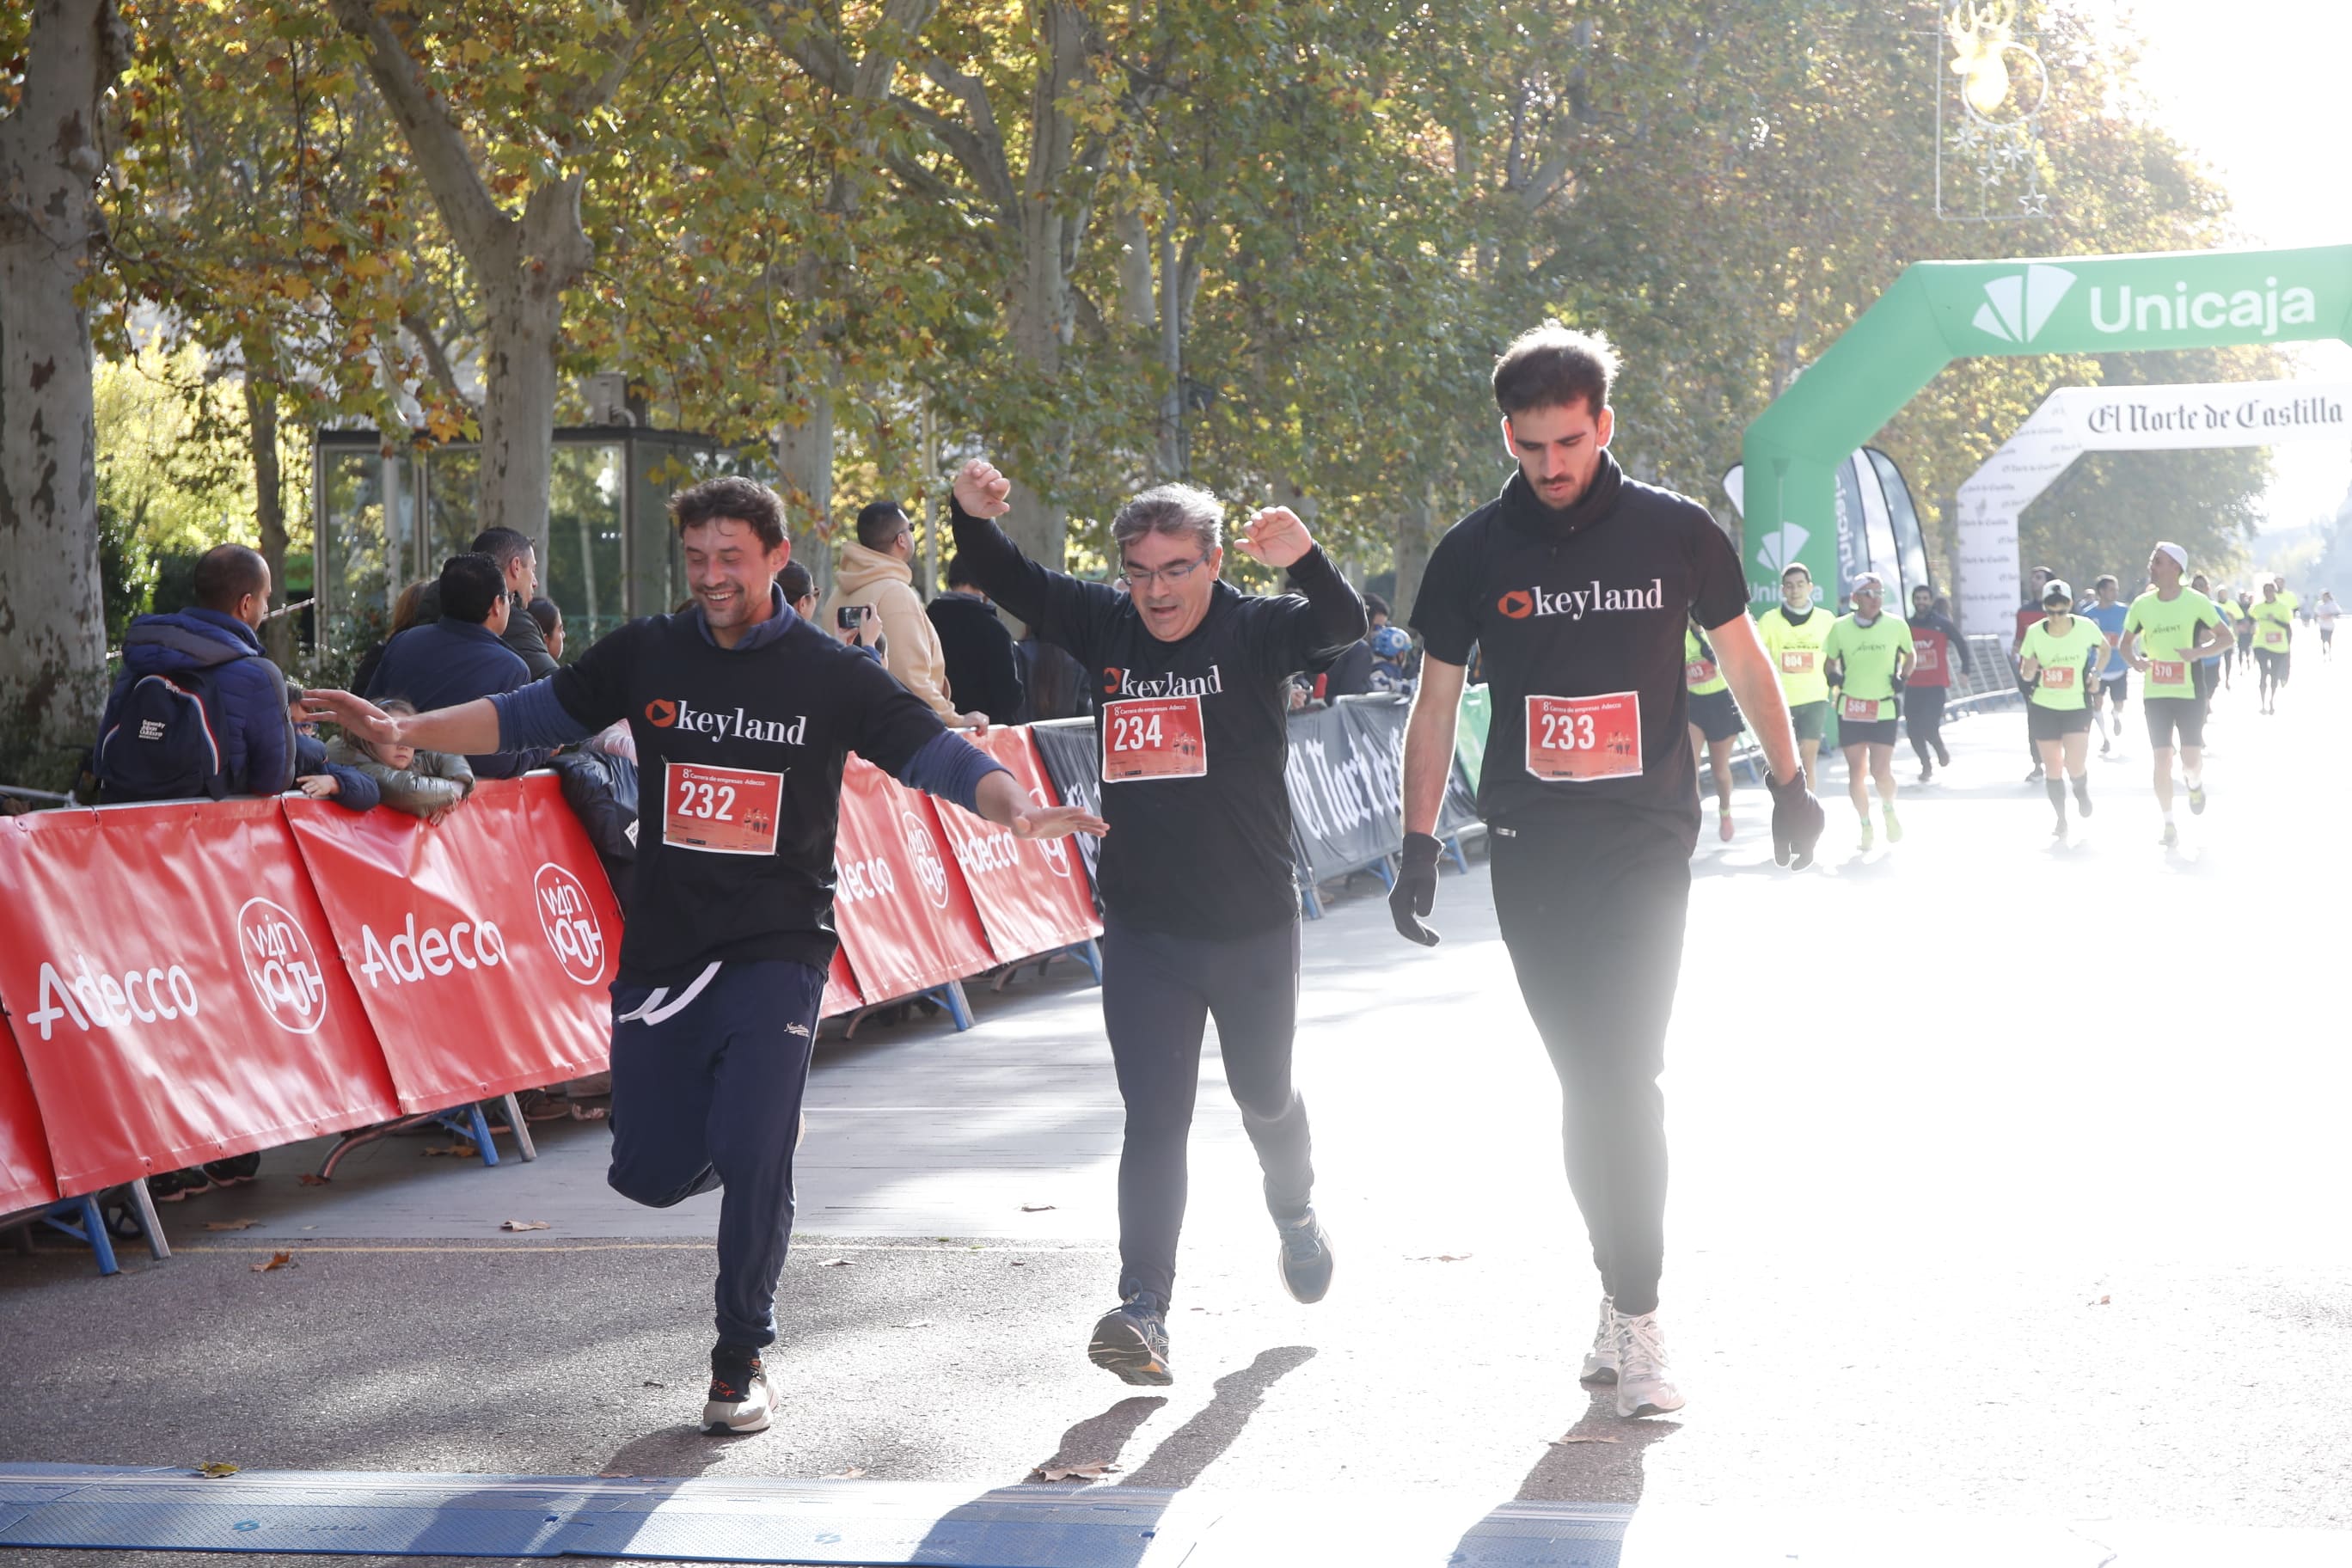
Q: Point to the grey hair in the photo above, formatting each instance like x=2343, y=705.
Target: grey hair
x=1183, y=511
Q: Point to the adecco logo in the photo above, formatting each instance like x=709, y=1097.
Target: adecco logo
x=94, y=997
x=284, y=970
x=930, y=870
x=412, y=954
x=570, y=922
x=2018, y=307
x=1056, y=850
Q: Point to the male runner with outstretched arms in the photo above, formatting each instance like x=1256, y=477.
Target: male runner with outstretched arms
x=743, y=715
x=1576, y=583
x=1936, y=645
x=2167, y=630
x=1200, y=900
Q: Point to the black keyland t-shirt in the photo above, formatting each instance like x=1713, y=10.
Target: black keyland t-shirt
x=1583, y=610
x=1205, y=847
x=740, y=753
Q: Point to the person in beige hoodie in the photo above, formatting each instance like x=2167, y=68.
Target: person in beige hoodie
x=874, y=572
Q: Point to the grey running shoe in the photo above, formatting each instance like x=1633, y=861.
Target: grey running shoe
x=1131, y=1341
x=1644, y=1386
x=1305, y=1258
x=1600, y=1361
x=2197, y=800
x=740, y=1401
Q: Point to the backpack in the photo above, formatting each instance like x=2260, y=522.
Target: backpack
x=165, y=743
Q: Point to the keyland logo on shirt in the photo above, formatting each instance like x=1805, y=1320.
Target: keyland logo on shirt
x=1519, y=603
x=665, y=714
x=1118, y=682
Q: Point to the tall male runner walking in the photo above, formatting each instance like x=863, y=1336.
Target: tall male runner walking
x=1869, y=657
x=745, y=713
x=1793, y=632
x=1936, y=645
x=1575, y=584
x=1201, y=905
x=2274, y=622
x=2113, y=688
x=2167, y=630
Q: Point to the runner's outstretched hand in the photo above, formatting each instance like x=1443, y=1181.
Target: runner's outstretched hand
x=1276, y=538
x=1057, y=822
x=1797, y=821
x=1415, y=893
x=356, y=714
x=982, y=492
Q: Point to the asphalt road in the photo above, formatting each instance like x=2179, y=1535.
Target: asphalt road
x=2008, y=1186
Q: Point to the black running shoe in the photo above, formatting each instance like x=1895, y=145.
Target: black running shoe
x=740, y=1401
x=235, y=1171
x=1131, y=1341
x=1305, y=1258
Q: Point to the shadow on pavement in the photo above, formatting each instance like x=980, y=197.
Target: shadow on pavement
x=1192, y=1447
x=1098, y=1439
x=1605, y=1468
x=671, y=1452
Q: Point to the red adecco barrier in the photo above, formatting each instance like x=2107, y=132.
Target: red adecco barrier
x=841, y=993
x=27, y=1181
x=906, y=918
x=1031, y=897
x=171, y=987
x=482, y=947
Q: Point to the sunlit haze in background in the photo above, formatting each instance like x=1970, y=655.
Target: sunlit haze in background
x=2258, y=88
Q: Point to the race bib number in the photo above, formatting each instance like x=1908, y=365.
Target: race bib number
x=1927, y=655
x=1861, y=710
x=2274, y=637
x=2168, y=672
x=1153, y=738
x=721, y=811
x=1578, y=739
x=1698, y=672
x=2058, y=677
x=1798, y=660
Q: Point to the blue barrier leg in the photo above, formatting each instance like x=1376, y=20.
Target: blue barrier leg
x=470, y=1125
x=1312, y=905
x=79, y=1217
x=952, y=997
x=1453, y=848
x=1087, y=953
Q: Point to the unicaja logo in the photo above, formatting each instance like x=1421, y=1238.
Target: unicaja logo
x=2016, y=307
x=1778, y=552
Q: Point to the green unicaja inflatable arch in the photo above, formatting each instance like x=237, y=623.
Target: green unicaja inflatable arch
x=1938, y=311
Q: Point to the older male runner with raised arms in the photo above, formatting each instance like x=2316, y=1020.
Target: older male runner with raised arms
x=743, y=715
x=1201, y=904
x=1575, y=583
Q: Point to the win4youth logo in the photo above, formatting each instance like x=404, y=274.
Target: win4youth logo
x=2016, y=307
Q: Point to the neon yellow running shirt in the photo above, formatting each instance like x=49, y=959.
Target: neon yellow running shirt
x=1700, y=673
x=1869, y=654
x=2066, y=661
x=1796, y=651
x=2168, y=633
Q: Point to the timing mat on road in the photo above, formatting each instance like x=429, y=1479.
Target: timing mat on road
x=883, y=1524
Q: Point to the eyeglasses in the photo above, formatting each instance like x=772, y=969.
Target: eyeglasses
x=1136, y=577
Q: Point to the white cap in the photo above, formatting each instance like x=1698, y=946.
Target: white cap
x=2057, y=588
x=1870, y=580
x=2180, y=556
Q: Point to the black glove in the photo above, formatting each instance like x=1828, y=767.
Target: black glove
x=1417, y=886
x=1898, y=678
x=1797, y=821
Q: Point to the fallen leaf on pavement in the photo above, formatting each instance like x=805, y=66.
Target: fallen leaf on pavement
x=1584, y=1437
x=835, y=1263
x=216, y=1470
x=311, y=1179
x=918, y=1323
x=275, y=1260
x=523, y=1224
x=461, y=1150
x=1035, y=1208
x=851, y=1475
x=1019, y=1263
x=651, y=1383
x=230, y=1224
x=1091, y=1469
x=587, y=1113
x=1443, y=1257
x=2103, y=1300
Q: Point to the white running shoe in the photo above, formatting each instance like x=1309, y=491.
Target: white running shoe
x=1600, y=1361
x=1644, y=1386
x=740, y=1401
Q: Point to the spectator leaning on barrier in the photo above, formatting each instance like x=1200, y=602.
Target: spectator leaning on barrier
x=198, y=709
x=983, y=672
x=430, y=785
x=316, y=774
x=460, y=657
x=875, y=573
x=746, y=715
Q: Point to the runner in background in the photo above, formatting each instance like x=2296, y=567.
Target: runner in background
x=1868, y=655
x=2058, y=657
x=746, y=713
x=1577, y=583
x=1715, y=721
x=1936, y=643
x=2324, y=613
x=2166, y=631
x=1200, y=898
x=2211, y=671
x=2274, y=623
x=2108, y=696
x=2243, y=622
x=2029, y=615
x=1793, y=632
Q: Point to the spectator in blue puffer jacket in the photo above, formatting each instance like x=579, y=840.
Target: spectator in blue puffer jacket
x=213, y=648
x=459, y=658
